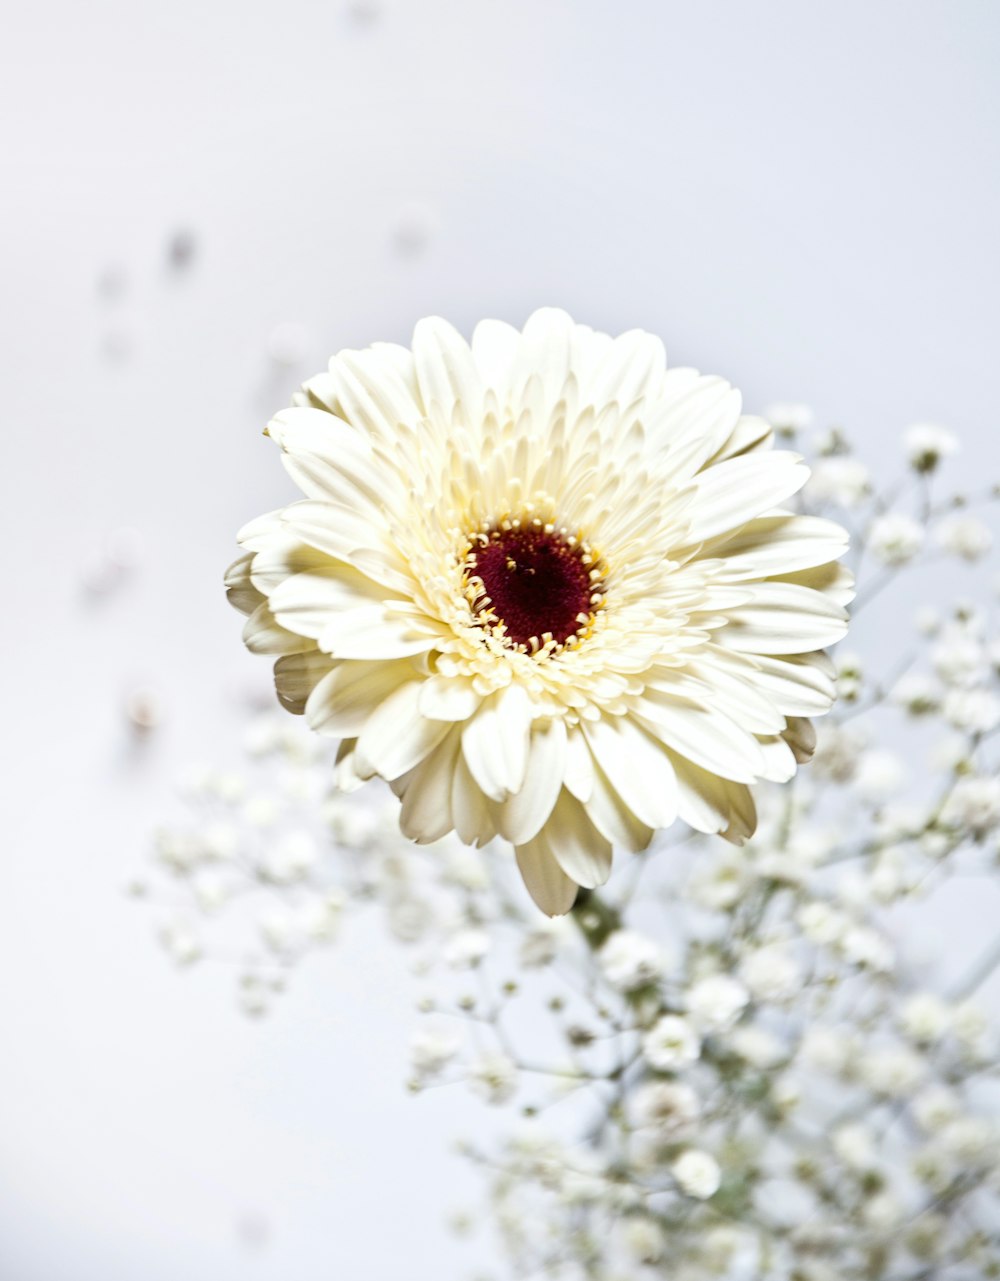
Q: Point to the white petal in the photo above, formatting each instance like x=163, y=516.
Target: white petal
x=783, y=619
x=495, y=742
x=377, y=389
x=262, y=634
x=545, y=880
x=425, y=815
x=494, y=345
x=612, y=817
x=707, y=737
x=331, y=460
x=637, y=768
x=344, y=699
x=730, y=493
x=470, y=809
x=396, y=737
x=579, y=765
x=778, y=544
x=306, y=603
x=374, y=632
x=449, y=698
x=711, y=804
x=240, y=591
x=578, y=847
x=296, y=676
x=446, y=373
x=521, y=816
x=799, y=685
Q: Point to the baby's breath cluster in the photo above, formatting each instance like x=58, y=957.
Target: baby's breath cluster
x=734, y=1063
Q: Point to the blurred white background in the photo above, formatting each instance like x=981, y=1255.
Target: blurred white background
x=803, y=198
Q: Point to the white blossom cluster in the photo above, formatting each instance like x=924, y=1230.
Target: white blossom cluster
x=735, y=1063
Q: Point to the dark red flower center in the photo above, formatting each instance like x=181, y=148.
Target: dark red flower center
x=535, y=581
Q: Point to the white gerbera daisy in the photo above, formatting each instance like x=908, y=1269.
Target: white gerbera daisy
x=546, y=588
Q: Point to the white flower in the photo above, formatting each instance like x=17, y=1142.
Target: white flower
x=827, y=1048
x=844, y=481
x=879, y=774
x=719, y=883
x=630, y=961
x=895, y=538
x=976, y=711
x=789, y=417
x=432, y=1047
x=926, y=444
x=291, y=858
x=466, y=948
x=924, y=1018
x=666, y=1106
x=546, y=589
x=181, y=942
x=759, y=1047
x=644, y=1239
x=822, y=923
x=894, y=1071
x=716, y=1002
x=671, y=1043
x=494, y=1076
x=959, y=657
x=934, y=1107
x=964, y=536
x=697, y=1174
x=918, y=693
x=855, y=1145
x=541, y=946
x=864, y=946
x=973, y=806
x=771, y=973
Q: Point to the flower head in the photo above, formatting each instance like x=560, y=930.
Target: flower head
x=546, y=588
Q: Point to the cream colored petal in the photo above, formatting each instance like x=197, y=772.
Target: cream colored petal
x=446, y=372
x=471, y=811
x=308, y=602
x=800, y=685
x=331, y=527
x=344, y=699
x=331, y=460
x=494, y=346
x=296, y=676
x=543, y=353
x=750, y=433
x=396, y=737
x=740, y=489
x=834, y=581
x=612, y=817
x=777, y=544
x=779, y=759
x=637, y=768
x=714, y=805
x=522, y=815
x=449, y=698
x=345, y=775
x=546, y=882
x=377, y=389
x=706, y=736
x=783, y=619
x=262, y=634
x=579, y=765
x=240, y=591
x=425, y=815
x=373, y=632
x=576, y=844
x=801, y=738
x=631, y=367
x=495, y=742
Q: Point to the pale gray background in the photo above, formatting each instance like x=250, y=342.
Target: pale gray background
x=803, y=197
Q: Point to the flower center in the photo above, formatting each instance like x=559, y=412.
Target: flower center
x=534, y=586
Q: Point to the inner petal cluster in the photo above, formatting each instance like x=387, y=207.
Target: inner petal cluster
x=535, y=586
